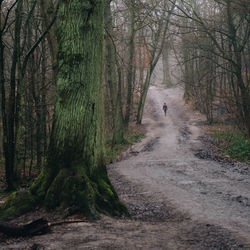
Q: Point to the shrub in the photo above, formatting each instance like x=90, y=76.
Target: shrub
x=234, y=144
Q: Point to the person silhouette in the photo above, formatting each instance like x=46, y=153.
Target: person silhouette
x=165, y=108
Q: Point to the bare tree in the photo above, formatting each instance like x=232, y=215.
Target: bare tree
x=226, y=47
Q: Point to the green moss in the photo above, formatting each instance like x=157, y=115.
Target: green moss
x=110, y=206
x=76, y=147
x=233, y=143
x=107, y=201
x=113, y=151
x=134, y=137
x=18, y=203
x=53, y=196
x=105, y=188
x=70, y=192
x=39, y=187
x=75, y=192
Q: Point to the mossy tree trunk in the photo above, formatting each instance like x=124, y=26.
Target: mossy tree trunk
x=75, y=177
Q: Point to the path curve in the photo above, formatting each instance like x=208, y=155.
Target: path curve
x=166, y=167
x=176, y=200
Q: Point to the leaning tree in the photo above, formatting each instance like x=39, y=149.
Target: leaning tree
x=75, y=178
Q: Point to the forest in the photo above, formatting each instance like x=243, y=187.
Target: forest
x=74, y=78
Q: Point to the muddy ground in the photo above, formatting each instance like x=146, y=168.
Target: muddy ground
x=180, y=193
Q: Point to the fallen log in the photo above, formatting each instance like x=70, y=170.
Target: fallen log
x=36, y=227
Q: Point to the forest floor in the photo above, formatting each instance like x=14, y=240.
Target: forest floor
x=180, y=193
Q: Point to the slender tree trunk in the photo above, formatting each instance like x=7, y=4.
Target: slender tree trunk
x=24, y=157
x=142, y=59
x=143, y=97
x=2, y=86
x=114, y=84
x=130, y=65
x=36, y=97
x=35, y=88
x=43, y=100
x=244, y=97
x=47, y=8
x=244, y=102
x=31, y=152
x=158, y=43
x=118, y=135
x=10, y=141
x=165, y=64
x=1, y=142
x=110, y=71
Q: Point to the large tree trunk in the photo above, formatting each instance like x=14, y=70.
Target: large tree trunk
x=75, y=177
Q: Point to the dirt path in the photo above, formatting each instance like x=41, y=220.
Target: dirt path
x=176, y=199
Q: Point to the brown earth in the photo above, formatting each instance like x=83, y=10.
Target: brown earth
x=180, y=194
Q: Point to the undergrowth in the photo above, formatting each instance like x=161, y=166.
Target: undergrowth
x=132, y=136
x=233, y=143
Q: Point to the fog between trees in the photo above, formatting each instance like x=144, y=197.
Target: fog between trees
x=73, y=74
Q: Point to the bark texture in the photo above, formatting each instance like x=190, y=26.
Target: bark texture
x=75, y=178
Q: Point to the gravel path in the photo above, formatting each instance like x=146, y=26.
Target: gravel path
x=170, y=167
x=179, y=195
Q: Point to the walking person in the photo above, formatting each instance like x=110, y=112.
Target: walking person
x=165, y=108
